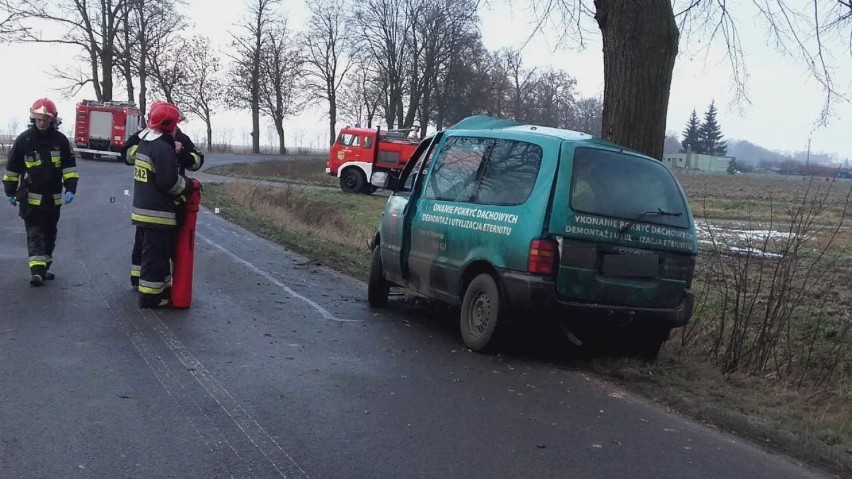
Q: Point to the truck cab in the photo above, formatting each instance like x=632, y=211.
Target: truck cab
x=359, y=152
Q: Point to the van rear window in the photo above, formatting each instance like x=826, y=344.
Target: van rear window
x=619, y=185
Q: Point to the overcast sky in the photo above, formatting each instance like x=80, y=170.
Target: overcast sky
x=785, y=101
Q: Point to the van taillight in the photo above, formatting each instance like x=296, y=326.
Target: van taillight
x=543, y=254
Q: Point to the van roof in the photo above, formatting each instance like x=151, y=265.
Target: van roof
x=485, y=122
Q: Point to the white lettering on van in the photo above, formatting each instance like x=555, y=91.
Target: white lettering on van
x=467, y=224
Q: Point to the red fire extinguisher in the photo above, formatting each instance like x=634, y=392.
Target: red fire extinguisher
x=185, y=251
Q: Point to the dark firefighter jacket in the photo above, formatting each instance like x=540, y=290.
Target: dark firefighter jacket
x=42, y=162
x=189, y=157
x=157, y=182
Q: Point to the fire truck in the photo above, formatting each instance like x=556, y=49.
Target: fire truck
x=101, y=128
x=358, y=152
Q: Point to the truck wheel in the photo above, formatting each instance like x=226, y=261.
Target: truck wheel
x=378, y=287
x=352, y=180
x=482, y=312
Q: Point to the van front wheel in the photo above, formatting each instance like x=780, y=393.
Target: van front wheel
x=482, y=311
x=378, y=288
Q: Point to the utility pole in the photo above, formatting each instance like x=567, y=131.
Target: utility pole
x=808, y=159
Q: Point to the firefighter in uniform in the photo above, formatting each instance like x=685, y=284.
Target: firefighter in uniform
x=189, y=158
x=157, y=184
x=40, y=163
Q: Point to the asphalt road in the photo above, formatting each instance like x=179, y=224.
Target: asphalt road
x=280, y=369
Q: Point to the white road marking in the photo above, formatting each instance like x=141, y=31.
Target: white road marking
x=253, y=431
x=324, y=312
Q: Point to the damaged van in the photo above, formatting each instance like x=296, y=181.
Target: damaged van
x=519, y=222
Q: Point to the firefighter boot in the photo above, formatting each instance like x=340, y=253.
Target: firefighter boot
x=154, y=301
x=38, y=273
x=49, y=276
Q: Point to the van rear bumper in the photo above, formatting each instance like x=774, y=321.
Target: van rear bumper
x=526, y=291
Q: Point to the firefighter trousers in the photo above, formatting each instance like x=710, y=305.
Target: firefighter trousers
x=155, y=276
x=40, y=223
x=136, y=254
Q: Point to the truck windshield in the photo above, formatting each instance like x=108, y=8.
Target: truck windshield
x=619, y=185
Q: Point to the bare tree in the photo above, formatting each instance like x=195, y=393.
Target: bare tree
x=151, y=28
x=92, y=27
x=326, y=48
x=521, y=81
x=385, y=27
x=281, y=68
x=360, y=97
x=552, y=100
x=463, y=85
x=438, y=27
x=588, y=116
x=245, y=75
x=640, y=44
x=166, y=66
x=201, y=92
x=9, y=26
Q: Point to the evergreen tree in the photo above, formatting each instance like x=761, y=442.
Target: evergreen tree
x=692, y=135
x=711, y=134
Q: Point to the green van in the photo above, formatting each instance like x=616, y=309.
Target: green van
x=502, y=218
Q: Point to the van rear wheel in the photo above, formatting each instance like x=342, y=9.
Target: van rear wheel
x=352, y=180
x=378, y=288
x=483, y=310
x=647, y=342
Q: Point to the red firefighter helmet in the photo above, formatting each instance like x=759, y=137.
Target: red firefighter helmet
x=43, y=109
x=163, y=117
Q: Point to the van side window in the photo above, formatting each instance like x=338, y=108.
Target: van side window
x=453, y=177
x=508, y=174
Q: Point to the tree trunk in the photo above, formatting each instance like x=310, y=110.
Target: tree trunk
x=255, y=127
x=106, y=71
x=640, y=40
x=279, y=127
x=332, y=118
x=209, y=123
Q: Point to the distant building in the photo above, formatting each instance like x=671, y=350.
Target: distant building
x=697, y=162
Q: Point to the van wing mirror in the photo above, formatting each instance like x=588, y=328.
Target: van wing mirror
x=380, y=179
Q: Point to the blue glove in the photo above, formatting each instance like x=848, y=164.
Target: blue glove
x=69, y=197
x=12, y=201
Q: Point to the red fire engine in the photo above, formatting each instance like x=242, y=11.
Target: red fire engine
x=358, y=152
x=101, y=128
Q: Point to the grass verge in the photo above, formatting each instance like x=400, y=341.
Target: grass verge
x=305, y=171
x=328, y=227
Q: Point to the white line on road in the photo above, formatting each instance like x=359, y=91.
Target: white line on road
x=324, y=312
x=248, y=425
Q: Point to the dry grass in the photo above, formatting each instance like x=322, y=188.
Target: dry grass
x=329, y=227
x=306, y=170
x=760, y=198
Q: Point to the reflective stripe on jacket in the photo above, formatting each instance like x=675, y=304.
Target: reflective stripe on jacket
x=41, y=161
x=156, y=181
